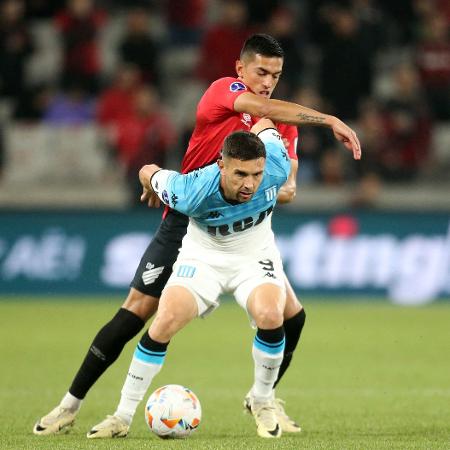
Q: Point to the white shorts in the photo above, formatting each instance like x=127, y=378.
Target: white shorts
x=207, y=274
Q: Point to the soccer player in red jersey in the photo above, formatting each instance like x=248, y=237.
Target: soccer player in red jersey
x=229, y=104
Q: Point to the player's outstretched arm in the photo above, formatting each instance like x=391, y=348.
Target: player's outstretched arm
x=295, y=114
x=149, y=196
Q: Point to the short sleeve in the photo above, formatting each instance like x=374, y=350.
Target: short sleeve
x=181, y=192
x=224, y=92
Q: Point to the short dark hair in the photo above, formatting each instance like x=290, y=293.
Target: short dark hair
x=262, y=44
x=244, y=146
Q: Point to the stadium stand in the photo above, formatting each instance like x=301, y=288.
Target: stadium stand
x=74, y=167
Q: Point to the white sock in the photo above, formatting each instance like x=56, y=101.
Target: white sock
x=267, y=365
x=71, y=402
x=140, y=375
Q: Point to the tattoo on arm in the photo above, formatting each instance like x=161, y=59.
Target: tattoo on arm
x=311, y=119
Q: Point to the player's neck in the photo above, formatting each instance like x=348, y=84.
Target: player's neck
x=225, y=197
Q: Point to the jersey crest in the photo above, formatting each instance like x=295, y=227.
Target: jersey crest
x=271, y=193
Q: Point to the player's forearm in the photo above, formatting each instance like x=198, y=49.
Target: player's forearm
x=281, y=111
x=295, y=114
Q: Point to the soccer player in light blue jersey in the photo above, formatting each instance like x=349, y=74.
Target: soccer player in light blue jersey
x=229, y=247
x=229, y=104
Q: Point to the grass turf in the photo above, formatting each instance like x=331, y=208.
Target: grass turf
x=367, y=376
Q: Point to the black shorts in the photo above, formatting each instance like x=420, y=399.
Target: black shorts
x=156, y=264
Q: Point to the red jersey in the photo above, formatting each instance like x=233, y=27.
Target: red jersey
x=216, y=119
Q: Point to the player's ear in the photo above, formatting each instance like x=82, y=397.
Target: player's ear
x=220, y=163
x=239, y=67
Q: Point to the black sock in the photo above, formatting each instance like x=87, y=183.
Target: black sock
x=149, y=344
x=105, y=349
x=274, y=336
x=292, y=331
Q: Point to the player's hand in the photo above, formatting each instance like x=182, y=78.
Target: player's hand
x=286, y=193
x=347, y=136
x=149, y=197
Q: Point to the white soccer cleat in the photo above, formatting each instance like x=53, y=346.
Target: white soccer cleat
x=56, y=421
x=111, y=427
x=246, y=404
x=267, y=425
x=286, y=423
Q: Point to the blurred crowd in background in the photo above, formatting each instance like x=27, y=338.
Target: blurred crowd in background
x=136, y=69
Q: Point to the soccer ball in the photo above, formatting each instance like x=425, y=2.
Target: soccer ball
x=173, y=411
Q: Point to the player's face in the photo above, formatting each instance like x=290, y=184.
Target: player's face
x=240, y=179
x=260, y=73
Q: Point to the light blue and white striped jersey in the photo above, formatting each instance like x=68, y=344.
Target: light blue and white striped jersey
x=198, y=195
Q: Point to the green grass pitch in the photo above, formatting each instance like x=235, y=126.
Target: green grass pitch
x=368, y=375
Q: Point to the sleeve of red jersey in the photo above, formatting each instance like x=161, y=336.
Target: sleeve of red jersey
x=290, y=133
x=225, y=91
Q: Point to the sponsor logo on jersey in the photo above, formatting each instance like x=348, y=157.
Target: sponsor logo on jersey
x=239, y=225
x=150, y=275
x=270, y=193
x=237, y=86
x=246, y=120
x=165, y=197
x=174, y=200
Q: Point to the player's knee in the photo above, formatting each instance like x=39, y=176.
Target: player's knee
x=166, y=324
x=268, y=316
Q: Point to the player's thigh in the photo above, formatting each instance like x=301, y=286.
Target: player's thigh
x=200, y=279
x=177, y=307
x=293, y=305
x=156, y=263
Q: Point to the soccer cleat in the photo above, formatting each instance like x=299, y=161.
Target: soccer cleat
x=267, y=425
x=56, y=421
x=286, y=423
x=111, y=427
